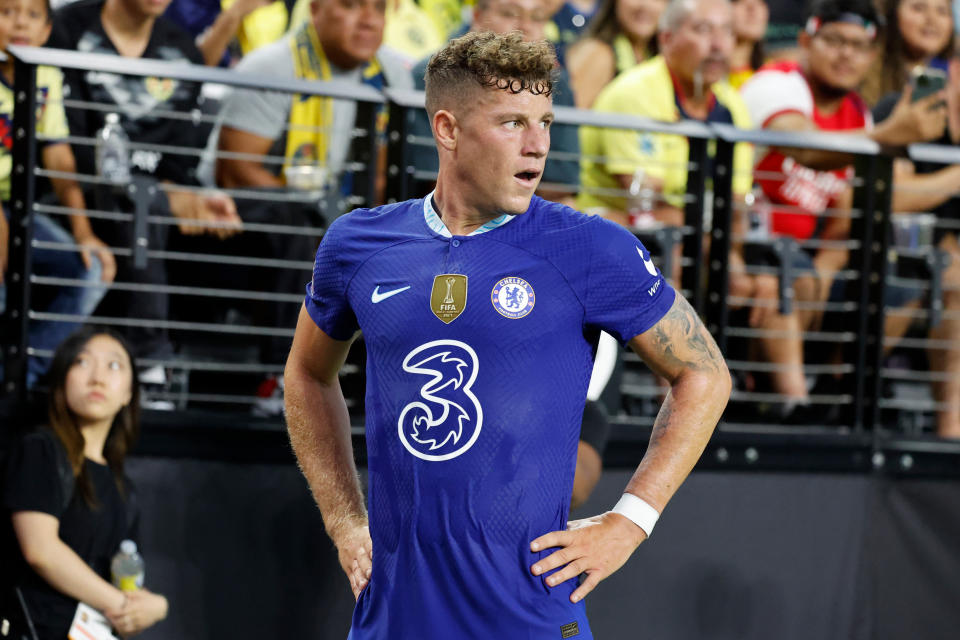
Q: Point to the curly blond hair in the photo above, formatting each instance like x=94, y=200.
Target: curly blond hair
x=488, y=60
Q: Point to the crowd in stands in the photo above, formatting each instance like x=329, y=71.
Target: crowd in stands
x=846, y=66
x=837, y=66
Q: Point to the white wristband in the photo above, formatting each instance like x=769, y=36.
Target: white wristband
x=637, y=511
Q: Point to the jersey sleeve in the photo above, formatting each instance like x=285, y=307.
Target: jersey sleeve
x=259, y=112
x=326, y=301
x=625, y=292
x=53, y=121
x=771, y=93
x=33, y=477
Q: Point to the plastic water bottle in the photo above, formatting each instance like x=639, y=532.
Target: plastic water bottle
x=640, y=201
x=126, y=568
x=758, y=215
x=113, y=151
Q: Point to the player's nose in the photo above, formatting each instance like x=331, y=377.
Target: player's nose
x=536, y=142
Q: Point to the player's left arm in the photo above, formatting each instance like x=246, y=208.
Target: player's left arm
x=678, y=348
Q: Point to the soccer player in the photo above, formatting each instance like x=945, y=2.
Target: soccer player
x=480, y=305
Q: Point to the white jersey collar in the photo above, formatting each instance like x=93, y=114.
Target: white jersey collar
x=436, y=224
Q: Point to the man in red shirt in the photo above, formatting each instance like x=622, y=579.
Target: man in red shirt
x=810, y=189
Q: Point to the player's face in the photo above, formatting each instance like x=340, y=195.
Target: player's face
x=8, y=9
x=638, y=18
x=529, y=17
x=750, y=19
x=702, y=44
x=32, y=26
x=502, y=148
x=839, y=55
x=100, y=381
x=349, y=30
x=925, y=25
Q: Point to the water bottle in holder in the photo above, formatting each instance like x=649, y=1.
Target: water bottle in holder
x=113, y=152
x=641, y=202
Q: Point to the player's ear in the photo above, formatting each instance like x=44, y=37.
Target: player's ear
x=445, y=129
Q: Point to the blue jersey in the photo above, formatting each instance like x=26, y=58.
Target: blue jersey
x=479, y=353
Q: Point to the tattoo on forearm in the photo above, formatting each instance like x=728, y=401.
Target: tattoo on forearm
x=684, y=341
x=661, y=422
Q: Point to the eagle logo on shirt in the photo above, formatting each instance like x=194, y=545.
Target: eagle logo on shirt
x=445, y=420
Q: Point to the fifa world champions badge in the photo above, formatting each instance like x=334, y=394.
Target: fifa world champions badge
x=449, y=296
x=513, y=298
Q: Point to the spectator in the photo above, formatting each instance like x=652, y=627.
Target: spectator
x=135, y=29
x=750, y=19
x=818, y=93
x=530, y=17
x=410, y=31
x=569, y=24
x=27, y=22
x=919, y=33
x=66, y=494
x=686, y=81
x=926, y=187
x=339, y=43
x=215, y=26
x=620, y=35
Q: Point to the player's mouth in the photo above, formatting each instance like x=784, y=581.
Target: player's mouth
x=20, y=40
x=527, y=178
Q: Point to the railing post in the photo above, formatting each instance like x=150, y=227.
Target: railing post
x=368, y=150
x=141, y=191
x=691, y=278
x=16, y=321
x=718, y=282
x=872, y=199
x=399, y=167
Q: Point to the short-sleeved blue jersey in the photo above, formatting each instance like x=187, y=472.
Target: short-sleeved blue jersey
x=479, y=353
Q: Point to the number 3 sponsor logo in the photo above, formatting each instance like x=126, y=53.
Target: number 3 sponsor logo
x=445, y=420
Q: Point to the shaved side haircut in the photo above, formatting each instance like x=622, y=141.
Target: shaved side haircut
x=483, y=60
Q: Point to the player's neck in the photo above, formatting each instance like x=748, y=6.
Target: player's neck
x=459, y=216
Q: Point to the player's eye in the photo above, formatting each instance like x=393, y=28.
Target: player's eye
x=512, y=124
x=115, y=365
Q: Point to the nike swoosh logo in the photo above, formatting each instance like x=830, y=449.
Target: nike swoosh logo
x=376, y=296
x=651, y=269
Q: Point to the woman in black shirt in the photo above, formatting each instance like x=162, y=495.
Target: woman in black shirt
x=67, y=495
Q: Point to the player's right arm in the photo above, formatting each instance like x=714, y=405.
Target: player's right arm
x=319, y=429
x=681, y=350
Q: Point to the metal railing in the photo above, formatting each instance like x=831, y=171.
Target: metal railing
x=140, y=213
x=857, y=382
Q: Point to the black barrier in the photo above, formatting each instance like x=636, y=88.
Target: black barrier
x=854, y=439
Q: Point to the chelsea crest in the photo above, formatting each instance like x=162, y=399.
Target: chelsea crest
x=513, y=298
